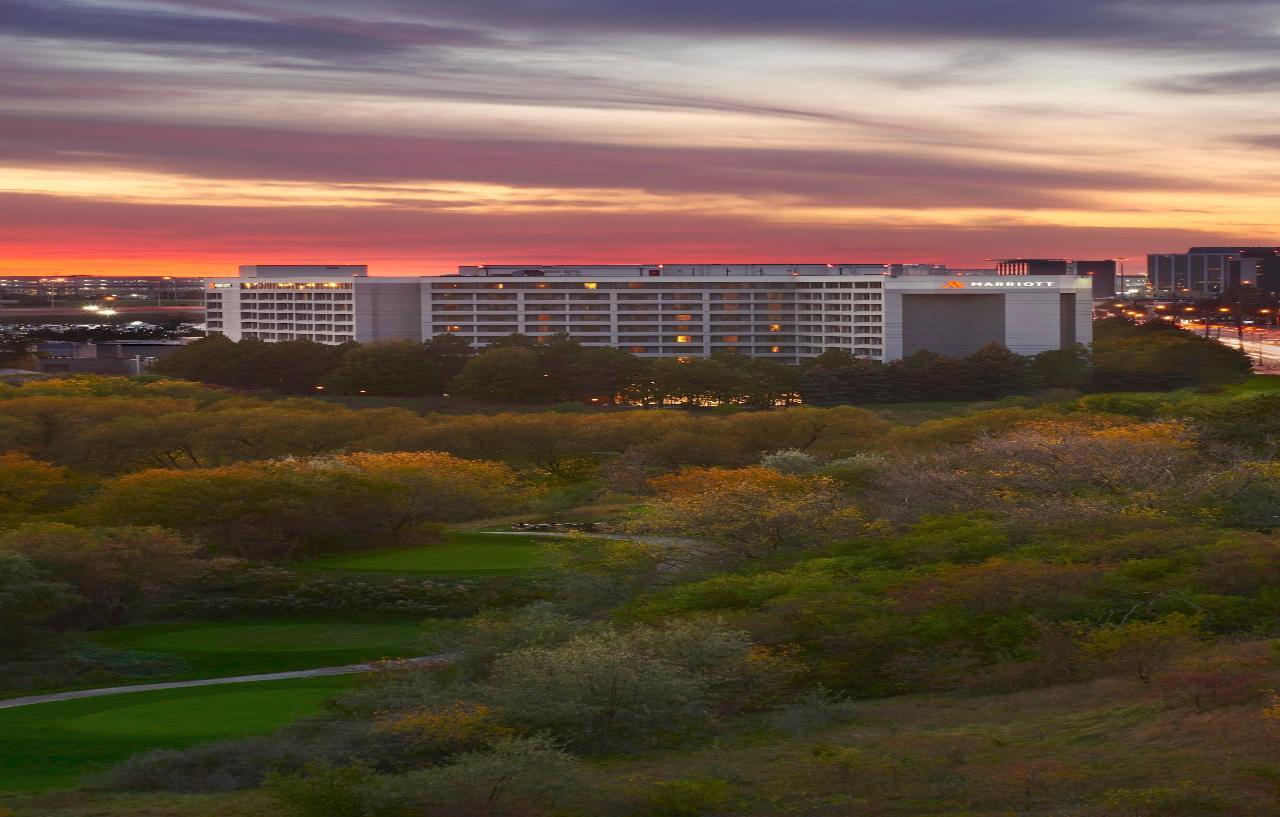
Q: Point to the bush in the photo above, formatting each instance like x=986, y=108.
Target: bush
x=225, y=765
x=687, y=798
x=813, y=711
x=1185, y=800
x=516, y=776
x=1141, y=648
x=607, y=689
x=274, y=590
x=242, y=763
x=84, y=662
x=790, y=461
x=323, y=790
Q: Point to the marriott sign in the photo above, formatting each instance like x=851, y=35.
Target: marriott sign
x=996, y=284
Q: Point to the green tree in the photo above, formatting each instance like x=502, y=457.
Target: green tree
x=998, y=372
x=746, y=514
x=608, y=689
x=399, y=368
x=324, y=790
x=1142, y=648
x=1070, y=368
x=449, y=355
x=515, y=777
x=111, y=569
x=603, y=373
x=265, y=511
x=1157, y=356
x=29, y=487
x=508, y=374
x=28, y=596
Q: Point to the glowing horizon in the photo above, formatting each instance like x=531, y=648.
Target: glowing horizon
x=186, y=138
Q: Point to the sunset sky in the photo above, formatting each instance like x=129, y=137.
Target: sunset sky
x=189, y=136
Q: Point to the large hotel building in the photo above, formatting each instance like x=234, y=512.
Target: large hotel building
x=787, y=312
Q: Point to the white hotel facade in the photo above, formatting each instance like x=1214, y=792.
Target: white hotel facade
x=787, y=312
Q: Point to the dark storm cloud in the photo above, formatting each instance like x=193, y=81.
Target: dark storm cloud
x=1155, y=23
x=1246, y=81
x=309, y=36
x=1120, y=22
x=884, y=178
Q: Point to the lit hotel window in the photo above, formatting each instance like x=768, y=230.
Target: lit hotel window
x=454, y=328
x=775, y=327
x=590, y=285
x=682, y=338
x=684, y=317
x=775, y=348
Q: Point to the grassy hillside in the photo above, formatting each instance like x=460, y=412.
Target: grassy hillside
x=57, y=744
x=217, y=648
x=1107, y=748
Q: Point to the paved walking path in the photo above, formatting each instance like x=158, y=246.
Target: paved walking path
x=350, y=669
x=665, y=541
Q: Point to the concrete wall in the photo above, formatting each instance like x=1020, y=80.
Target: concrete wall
x=1033, y=321
x=388, y=310
x=951, y=325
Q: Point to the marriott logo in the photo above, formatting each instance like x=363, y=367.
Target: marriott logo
x=997, y=284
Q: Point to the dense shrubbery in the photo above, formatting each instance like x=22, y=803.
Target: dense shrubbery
x=84, y=663
x=518, y=369
x=1124, y=357
x=275, y=591
x=801, y=559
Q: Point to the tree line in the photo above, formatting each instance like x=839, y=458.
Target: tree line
x=517, y=369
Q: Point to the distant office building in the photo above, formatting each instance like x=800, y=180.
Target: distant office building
x=91, y=287
x=1206, y=272
x=1131, y=286
x=1104, y=277
x=787, y=312
x=126, y=357
x=1035, y=266
x=1102, y=273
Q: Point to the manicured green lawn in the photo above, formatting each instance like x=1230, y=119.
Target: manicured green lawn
x=53, y=745
x=1256, y=383
x=218, y=648
x=462, y=553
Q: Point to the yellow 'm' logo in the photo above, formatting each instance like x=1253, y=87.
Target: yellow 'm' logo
x=953, y=285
